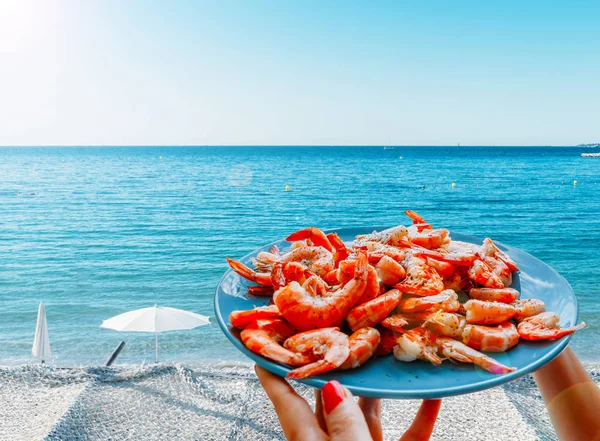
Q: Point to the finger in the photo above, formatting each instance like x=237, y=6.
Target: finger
x=319, y=410
x=295, y=415
x=422, y=426
x=343, y=417
x=371, y=409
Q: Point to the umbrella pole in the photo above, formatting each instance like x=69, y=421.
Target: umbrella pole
x=156, y=336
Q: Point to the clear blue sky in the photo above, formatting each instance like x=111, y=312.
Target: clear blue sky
x=117, y=72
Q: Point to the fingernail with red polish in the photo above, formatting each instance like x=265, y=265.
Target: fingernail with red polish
x=333, y=394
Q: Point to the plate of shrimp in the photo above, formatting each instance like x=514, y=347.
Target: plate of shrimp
x=403, y=312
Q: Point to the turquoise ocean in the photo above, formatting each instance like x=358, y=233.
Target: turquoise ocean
x=94, y=232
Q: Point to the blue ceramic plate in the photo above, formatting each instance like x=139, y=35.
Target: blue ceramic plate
x=385, y=377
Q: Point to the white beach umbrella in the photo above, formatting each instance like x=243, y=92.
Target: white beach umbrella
x=155, y=319
x=41, y=342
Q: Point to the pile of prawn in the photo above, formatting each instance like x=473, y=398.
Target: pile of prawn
x=393, y=291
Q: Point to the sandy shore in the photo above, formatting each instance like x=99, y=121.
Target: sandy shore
x=223, y=402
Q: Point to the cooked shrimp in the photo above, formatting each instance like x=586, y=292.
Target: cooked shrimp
x=489, y=248
x=459, y=280
x=491, y=338
x=387, y=341
x=421, y=279
x=456, y=252
x=481, y=273
x=402, y=322
x=261, y=291
x=340, y=252
x=418, y=343
x=241, y=319
x=377, y=250
x=430, y=239
x=446, y=324
x=307, y=311
x=392, y=236
x=328, y=344
x=447, y=300
x=346, y=273
x=460, y=352
x=527, y=308
x=397, y=323
x=418, y=221
x=314, y=235
x=332, y=277
x=263, y=279
x=316, y=258
x=544, y=326
x=263, y=262
x=502, y=295
x=278, y=277
x=298, y=244
x=444, y=269
x=488, y=313
x=282, y=274
x=264, y=338
x=363, y=344
x=500, y=269
x=373, y=311
x=389, y=271
x=316, y=286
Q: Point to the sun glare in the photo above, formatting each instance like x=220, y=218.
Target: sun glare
x=17, y=24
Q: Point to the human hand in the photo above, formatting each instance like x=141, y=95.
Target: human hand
x=337, y=416
x=571, y=396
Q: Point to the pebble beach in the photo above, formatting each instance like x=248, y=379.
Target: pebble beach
x=225, y=402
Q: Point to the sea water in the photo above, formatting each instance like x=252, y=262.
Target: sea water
x=95, y=232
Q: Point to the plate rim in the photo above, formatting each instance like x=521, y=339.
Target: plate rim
x=317, y=382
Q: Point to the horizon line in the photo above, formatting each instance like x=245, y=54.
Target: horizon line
x=295, y=145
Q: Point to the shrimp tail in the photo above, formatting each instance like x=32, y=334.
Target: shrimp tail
x=249, y=274
x=277, y=276
x=361, y=268
x=395, y=323
x=341, y=251
x=532, y=332
x=316, y=368
x=241, y=319
x=460, y=352
x=315, y=235
x=331, y=277
x=502, y=255
x=260, y=291
x=418, y=221
x=432, y=357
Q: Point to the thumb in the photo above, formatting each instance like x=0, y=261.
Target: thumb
x=345, y=421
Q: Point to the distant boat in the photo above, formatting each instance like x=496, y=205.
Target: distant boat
x=590, y=155
x=388, y=147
